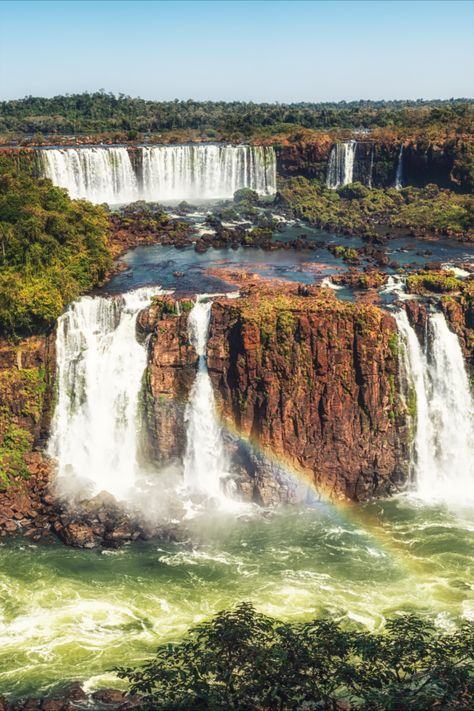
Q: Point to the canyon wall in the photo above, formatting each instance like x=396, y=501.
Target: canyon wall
x=445, y=164
x=314, y=381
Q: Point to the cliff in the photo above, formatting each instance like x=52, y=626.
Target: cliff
x=314, y=381
x=448, y=164
x=170, y=374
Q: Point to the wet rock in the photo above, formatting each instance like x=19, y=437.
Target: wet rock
x=76, y=534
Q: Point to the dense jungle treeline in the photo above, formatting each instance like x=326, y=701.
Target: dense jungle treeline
x=104, y=112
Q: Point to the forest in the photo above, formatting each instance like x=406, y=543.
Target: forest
x=103, y=112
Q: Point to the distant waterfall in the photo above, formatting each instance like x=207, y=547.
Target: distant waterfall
x=97, y=174
x=204, y=460
x=399, y=173
x=106, y=174
x=371, y=167
x=100, y=367
x=206, y=172
x=443, y=465
x=341, y=164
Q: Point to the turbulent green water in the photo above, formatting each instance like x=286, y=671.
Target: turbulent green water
x=71, y=614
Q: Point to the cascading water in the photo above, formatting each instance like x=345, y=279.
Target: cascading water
x=341, y=164
x=371, y=167
x=95, y=431
x=399, y=173
x=204, y=461
x=443, y=465
x=97, y=174
x=206, y=172
x=106, y=174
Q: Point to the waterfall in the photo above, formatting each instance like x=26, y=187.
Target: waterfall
x=443, y=462
x=206, y=171
x=100, y=366
x=341, y=164
x=371, y=167
x=204, y=461
x=97, y=174
x=399, y=173
x=106, y=174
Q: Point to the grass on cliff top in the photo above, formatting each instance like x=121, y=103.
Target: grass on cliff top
x=275, y=311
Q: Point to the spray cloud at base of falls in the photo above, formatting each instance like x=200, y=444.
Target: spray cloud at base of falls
x=443, y=446
x=107, y=174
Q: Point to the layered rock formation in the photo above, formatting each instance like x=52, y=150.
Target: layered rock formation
x=169, y=377
x=314, y=381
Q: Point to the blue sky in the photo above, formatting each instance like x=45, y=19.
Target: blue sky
x=246, y=50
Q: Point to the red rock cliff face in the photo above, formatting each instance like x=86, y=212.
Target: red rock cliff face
x=170, y=374
x=313, y=380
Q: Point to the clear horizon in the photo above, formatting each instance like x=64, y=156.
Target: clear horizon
x=239, y=51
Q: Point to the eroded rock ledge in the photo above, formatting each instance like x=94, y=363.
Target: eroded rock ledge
x=314, y=381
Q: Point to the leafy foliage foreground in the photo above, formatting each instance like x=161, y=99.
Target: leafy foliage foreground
x=244, y=660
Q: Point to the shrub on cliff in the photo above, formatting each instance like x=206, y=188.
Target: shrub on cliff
x=244, y=660
x=52, y=249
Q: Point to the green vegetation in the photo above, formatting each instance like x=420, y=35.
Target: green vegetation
x=23, y=401
x=105, y=112
x=353, y=209
x=52, y=249
x=246, y=195
x=244, y=660
x=442, y=282
x=15, y=442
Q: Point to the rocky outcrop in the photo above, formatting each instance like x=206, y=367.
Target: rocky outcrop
x=459, y=311
x=309, y=159
x=314, y=381
x=169, y=376
x=74, y=698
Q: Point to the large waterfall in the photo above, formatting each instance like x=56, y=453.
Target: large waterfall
x=204, y=461
x=95, y=434
x=206, y=172
x=341, y=164
x=98, y=174
x=106, y=174
x=98, y=421
x=443, y=462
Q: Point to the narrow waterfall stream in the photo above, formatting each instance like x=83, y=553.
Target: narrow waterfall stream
x=204, y=462
x=341, y=164
x=399, y=172
x=443, y=463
